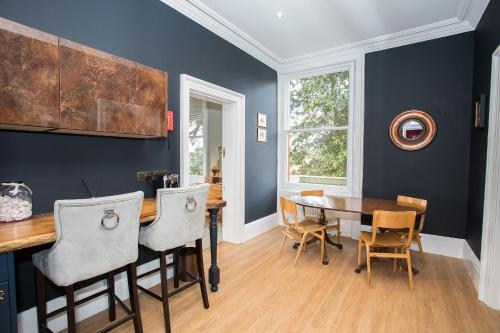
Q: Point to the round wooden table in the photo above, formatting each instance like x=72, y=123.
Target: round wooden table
x=361, y=206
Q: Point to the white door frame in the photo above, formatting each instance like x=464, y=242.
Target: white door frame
x=489, y=278
x=233, y=123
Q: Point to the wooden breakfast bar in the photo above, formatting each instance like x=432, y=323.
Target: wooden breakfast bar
x=40, y=229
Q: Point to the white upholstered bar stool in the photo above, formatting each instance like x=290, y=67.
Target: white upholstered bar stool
x=94, y=237
x=180, y=220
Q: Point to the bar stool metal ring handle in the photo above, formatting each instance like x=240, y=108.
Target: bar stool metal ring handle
x=109, y=214
x=191, y=204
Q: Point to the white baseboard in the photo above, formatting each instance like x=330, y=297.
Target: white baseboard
x=472, y=264
x=442, y=245
x=27, y=320
x=258, y=227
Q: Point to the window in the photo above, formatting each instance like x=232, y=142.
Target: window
x=196, y=147
x=317, y=128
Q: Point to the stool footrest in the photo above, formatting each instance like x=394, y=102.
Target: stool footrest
x=117, y=323
x=83, y=300
x=123, y=306
x=170, y=294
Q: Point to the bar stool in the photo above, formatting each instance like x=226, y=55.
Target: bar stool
x=180, y=220
x=94, y=237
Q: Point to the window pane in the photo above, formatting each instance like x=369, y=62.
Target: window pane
x=195, y=127
x=319, y=101
x=318, y=157
x=196, y=156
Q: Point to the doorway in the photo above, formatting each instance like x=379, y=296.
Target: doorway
x=229, y=159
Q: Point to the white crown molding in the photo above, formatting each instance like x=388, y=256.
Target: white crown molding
x=208, y=18
x=406, y=37
x=472, y=10
x=468, y=15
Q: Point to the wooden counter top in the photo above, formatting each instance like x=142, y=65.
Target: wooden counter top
x=39, y=229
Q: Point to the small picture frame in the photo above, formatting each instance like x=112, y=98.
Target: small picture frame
x=261, y=120
x=261, y=135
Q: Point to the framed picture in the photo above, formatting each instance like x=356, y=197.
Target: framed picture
x=261, y=120
x=261, y=135
x=480, y=112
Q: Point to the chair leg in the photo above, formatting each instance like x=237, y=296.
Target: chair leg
x=394, y=261
x=176, y=268
x=421, y=250
x=322, y=244
x=282, y=244
x=70, y=308
x=41, y=300
x=134, y=297
x=201, y=272
x=360, y=245
x=302, y=242
x=410, y=273
x=111, y=297
x=368, y=266
x=338, y=231
x=164, y=291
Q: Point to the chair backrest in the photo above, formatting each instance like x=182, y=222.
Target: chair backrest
x=312, y=193
x=416, y=203
x=289, y=211
x=94, y=236
x=308, y=211
x=180, y=218
x=393, y=220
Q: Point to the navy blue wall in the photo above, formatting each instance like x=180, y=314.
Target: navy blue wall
x=151, y=33
x=487, y=39
x=434, y=76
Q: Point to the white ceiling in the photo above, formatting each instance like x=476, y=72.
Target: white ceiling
x=312, y=27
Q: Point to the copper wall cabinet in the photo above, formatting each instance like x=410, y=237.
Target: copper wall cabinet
x=29, y=78
x=53, y=84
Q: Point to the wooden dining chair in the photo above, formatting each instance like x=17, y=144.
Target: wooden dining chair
x=299, y=230
x=332, y=222
x=375, y=241
x=420, y=204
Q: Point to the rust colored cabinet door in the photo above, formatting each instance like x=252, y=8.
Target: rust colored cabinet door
x=29, y=77
x=105, y=94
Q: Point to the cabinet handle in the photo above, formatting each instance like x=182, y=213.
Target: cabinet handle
x=2, y=294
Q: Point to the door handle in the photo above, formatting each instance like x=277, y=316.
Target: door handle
x=2, y=294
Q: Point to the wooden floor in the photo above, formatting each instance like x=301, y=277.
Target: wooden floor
x=261, y=291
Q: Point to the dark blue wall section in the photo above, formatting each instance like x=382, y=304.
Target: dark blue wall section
x=151, y=33
x=487, y=39
x=436, y=77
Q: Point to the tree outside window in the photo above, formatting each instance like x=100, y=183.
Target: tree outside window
x=196, y=146
x=318, y=120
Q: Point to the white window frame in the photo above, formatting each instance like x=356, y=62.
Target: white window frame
x=355, y=66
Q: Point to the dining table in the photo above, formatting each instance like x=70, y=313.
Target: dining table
x=356, y=205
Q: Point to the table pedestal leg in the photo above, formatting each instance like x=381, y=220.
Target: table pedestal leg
x=213, y=271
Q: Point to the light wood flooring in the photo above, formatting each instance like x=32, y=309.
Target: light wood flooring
x=261, y=291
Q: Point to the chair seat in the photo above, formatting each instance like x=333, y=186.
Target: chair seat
x=384, y=239
x=40, y=261
x=311, y=227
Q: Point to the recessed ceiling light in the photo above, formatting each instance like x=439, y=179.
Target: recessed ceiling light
x=279, y=14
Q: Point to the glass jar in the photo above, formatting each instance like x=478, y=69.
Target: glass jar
x=15, y=202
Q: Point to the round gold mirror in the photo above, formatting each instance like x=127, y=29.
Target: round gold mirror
x=412, y=130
